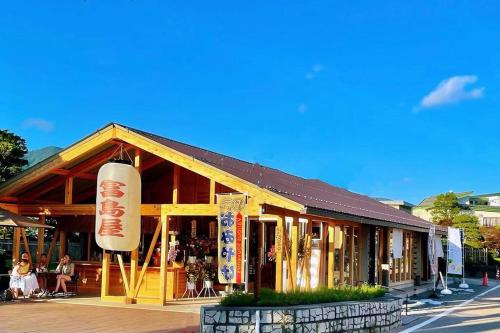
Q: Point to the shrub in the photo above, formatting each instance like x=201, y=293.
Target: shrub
x=269, y=297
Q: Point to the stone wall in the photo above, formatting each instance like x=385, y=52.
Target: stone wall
x=378, y=315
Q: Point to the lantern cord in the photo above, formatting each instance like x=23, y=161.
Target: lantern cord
x=120, y=147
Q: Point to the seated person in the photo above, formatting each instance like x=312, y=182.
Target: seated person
x=66, y=270
x=17, y=280
x=31, y=282
x=41, y=269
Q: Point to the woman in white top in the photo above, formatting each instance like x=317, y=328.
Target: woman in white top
x=23, y=278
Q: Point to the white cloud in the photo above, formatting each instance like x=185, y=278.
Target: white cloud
x=39, y=124
x=302, y=108
x=314, y=72
x=452, y=90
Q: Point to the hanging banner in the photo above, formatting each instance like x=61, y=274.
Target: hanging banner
x=118, y=207
x=231, y=230
x=454, y=251
x=397, y=243
x=439, y=247
x=431, y=249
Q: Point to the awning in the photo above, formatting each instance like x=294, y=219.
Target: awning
x=8, y=219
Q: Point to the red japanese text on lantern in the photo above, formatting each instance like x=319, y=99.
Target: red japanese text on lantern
x=111, y=224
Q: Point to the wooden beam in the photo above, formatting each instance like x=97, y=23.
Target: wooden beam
x=205, y=169
x=105, y=274
x=295, y=251
x=308, y=258
x=123, y=274
x=212, y=191
x=360, y=253
x=148, y=258
x=26, y=246
x=59, y=181
x=52, y=246
x=342, y=257
x=68, y=191
x=331, y=256
x=62, y=243
x=16, y=242
x=176, y=182
x=164, y=256
x=40, y=239
x=69, y=173
x=59, y=160
x=134, y=255
x=351, y=256
x=278, y=245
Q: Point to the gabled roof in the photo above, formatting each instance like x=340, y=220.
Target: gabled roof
x=316, y=196
x=312, y=193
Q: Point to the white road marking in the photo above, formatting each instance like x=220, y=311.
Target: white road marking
x=447, y=312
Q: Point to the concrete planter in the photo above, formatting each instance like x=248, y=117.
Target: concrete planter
x=376, y=315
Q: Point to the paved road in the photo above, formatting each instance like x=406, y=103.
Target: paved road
x=480, y=315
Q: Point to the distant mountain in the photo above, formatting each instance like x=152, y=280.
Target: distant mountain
x=39, y=155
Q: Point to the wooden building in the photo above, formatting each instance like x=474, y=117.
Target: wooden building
x=315, y=234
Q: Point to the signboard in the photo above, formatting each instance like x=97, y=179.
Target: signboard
x=454, y=251
x=118, y=207
x=397, y=243
x=231, y=230
x=431, y=249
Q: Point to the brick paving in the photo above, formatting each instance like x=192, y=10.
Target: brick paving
x=54, y=316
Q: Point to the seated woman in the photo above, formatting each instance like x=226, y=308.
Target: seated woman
x=31, y=282
x=17, y=280
x=41, y=271
x=67, y=270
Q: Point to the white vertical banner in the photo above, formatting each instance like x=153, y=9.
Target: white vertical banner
x=397, y=243
x=431, y=249
x=439, y=247
x=454, y=251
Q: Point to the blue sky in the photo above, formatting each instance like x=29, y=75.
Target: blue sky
x=396, y=99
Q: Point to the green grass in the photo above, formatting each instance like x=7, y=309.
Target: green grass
x=269, y=297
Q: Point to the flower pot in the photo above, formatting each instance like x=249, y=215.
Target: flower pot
x=191, y=285
x=208, y=284
x=192, y=259
x=209, y=259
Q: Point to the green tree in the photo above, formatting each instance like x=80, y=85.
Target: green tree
x=445, y=208
x=470, y=224
x=12, y=151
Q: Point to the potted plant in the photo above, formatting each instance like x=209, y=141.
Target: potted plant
x=209, y=272
x=193, y=272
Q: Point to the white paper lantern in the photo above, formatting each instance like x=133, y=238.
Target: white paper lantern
x=118, y=207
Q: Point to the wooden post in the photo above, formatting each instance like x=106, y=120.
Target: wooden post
x=278, y=246
x=52, y=246
x=105, y=274
x=16, y=242
x=308, y=257
x=342, y=257
x=351, y=255
x=360, y=253
x=134, y=255
x=40, y=239
x=331, y=255
x=68, y=191
x=212, y=192
x=62, y=243
x=26, y=246
x=295, y=251
x=164, y=254
x=175, y=194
